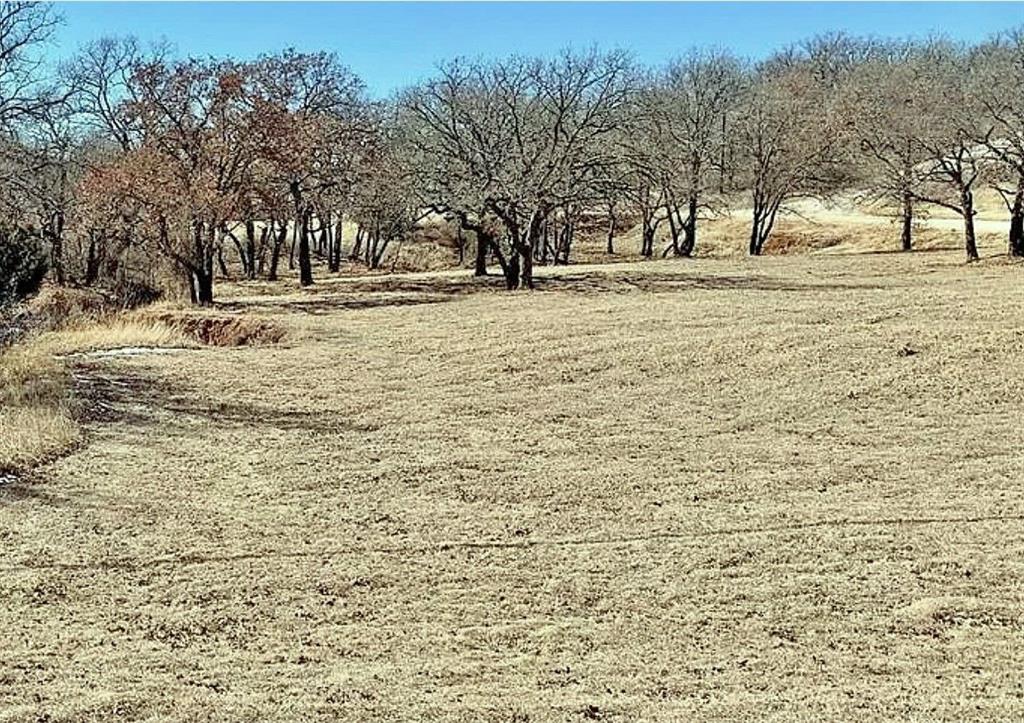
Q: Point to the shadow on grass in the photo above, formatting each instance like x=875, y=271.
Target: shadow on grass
x=383, y=291
x=106, y=396
x=328, y=304
x=656, y=283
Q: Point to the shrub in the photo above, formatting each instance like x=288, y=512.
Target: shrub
x=22, y=265
x=131, y=294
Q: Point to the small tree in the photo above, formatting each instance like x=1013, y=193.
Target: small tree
x=880, y=103
x=317, y=119
x=522, y=139
x=948, y=133
x=693, y=105
x=789, y=136
x=994, y=84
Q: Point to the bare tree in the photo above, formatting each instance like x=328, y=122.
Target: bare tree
x=24, y=27
x=995, y=71
x=316, y=114
x=692, y=106
x=879, y=102
x=948, y=133
x=522, y=138
x=789, y=140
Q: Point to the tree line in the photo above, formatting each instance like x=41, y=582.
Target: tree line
x=128, y=164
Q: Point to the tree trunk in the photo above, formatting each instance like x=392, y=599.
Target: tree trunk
x=334, y=251
x=250, y=248
x=673, y=231
x=203, y=293
x=690, y=228
x=647, y=241
x=1017, y=221
x=483, y=242
x=610, y=248
x=325, y=242
x=967, y=201
x=92, y=261
x=357, y=244
x=57, y=247
x=907, y=216
x=534, y=235
x=570, y=235
x=305, y=265
x=261, y=254
x=526, y=275
x=275, y=252
x=373, y=240
x=755, y=234
x=221, y=263
x=511, y=270
x=765, y=212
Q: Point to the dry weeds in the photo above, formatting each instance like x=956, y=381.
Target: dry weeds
x=114, y=334
x=35, y=424
x=213, y=329
x=720, y=489
x=31, y=435
x=37, y=416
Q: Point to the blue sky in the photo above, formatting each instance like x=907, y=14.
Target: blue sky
x=394, y=44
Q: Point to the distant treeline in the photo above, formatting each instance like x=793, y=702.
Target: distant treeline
x=128, y=163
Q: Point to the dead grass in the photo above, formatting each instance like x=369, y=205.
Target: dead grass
x=59, y=307
x=29, y=375
x=37, y=420
x=37, y=403
x=712, y=490
x=34, y=422
x=32, y=435
x=114, y=334
x=215, y=330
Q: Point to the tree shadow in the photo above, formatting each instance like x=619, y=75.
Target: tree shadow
x=667, y=283
x=120, y=396
x=328, y=303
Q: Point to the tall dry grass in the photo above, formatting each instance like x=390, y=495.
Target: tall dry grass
x=37, y=421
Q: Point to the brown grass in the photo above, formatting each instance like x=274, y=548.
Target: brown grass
x=215, y=330
x=730, y=489
x=57, y=307
x=32, y=435
x=35, y=424
x=37, y=418
x=114, y=334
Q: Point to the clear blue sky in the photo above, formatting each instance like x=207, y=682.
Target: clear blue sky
x=394, y=44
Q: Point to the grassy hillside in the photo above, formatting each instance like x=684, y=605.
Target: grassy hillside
x=728, y=489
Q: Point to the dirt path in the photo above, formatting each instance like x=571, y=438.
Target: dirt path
x=693, y=490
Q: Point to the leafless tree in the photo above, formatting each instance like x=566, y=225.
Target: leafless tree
x=789, y=138
x=994, y=83
x=949, y=132
x=24, y=28
x=521, y=138
x=692, y=109
x=880, y=102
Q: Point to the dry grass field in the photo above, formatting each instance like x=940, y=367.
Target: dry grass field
x=787, y=488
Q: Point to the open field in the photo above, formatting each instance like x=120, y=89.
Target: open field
x=777, y=488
